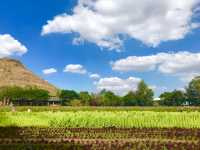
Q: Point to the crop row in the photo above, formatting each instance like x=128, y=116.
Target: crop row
x=114, y=144
x=101, y=133
x=40, y=146
x=102, y=138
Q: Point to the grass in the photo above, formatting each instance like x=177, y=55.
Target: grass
x=100, y=119
x=89, y=108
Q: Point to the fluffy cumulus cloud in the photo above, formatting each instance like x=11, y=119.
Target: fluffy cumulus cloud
x=182, y=64
x=9, y=46
x=118, y=85
x=75, y=68
x=49, y=71
x=95, y=76
x=107, y=22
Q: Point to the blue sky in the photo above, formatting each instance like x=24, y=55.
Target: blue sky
x=100, y=40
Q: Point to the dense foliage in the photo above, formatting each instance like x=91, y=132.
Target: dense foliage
x=29, y=93
x=67, y=96
x=193, y=92
x=175, y=98
x=191, y=95
x=143, y=96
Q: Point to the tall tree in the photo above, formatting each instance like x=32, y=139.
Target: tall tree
x=193, y=91
x=130, y=99
x=96, y=100
x=144, y=94
x=68, y=95
x=85, y=98
x=110, y=99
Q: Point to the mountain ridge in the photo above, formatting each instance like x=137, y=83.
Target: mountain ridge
x=15, y=73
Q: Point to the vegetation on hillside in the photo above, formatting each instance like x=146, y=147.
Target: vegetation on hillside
x=14, y=73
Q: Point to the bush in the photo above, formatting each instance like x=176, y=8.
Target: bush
x=75, y=103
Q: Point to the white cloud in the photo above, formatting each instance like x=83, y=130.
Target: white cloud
x=95, y=76
x=183, y=64
x=10, y=46
x=117, y=85
x=136, y=63
x=49, y=71
x=104, y=21
x=159, y=89
x=75, y=68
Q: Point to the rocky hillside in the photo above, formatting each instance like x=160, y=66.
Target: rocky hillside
x=14, y=73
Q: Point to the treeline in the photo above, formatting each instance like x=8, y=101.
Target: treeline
x=143, y=96
x=191, y=95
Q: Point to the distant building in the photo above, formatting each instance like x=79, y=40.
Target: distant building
x=24, y=102
x=157, y=99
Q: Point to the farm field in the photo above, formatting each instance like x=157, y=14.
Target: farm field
x=102, y=128
x=101, y=138
x=101, y=119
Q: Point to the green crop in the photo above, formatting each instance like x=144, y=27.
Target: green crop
x=99, y=119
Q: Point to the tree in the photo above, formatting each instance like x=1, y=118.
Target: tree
x=130, y=99
x=193, y=91
x=165, y=99
x=175, y=98
x=75, y=103
x=110, y=99
x=85, y=98
x=96, y=100
x=12, y=93
x=7, y=94
x=144, y=94
x=34, y=93
x=68, y=95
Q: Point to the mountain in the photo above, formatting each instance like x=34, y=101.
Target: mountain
x=14, y=73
